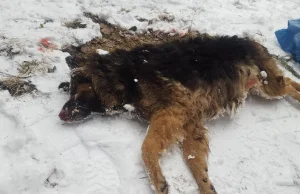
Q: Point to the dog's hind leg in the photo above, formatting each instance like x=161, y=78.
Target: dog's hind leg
x=285, y=87
x=195, y=151
x=275, y=84
x=292, y=83
x=165, y=129
x=293, y=92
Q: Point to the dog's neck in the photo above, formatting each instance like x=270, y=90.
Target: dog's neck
x=115, y=85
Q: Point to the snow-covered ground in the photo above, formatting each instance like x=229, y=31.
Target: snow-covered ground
x=258, y=151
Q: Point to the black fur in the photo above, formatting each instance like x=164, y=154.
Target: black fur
x=72, y=62
x=187, y=61
x=193, y=61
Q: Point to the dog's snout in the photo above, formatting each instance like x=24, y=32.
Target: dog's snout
x=63, y=115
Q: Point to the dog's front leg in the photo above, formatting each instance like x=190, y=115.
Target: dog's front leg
x=165, y=129
x=195, y=150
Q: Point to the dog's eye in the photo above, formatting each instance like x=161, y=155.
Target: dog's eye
x=81, y=105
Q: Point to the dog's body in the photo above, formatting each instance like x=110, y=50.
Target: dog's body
x=177, y=87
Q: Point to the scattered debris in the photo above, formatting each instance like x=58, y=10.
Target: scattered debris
x=140, y=19
x=9, y=75
x=12, y=51
x=52, y=70
x=166, y=17
x=114, y=37
x=54, y=178
x=17, y=86
x=27, y=67
x=49, y=20
x=31, y=67
x=133, y=28
x=284, y=62
x=46, y=43
x=105, y=30
x=77, y=23
x=93, y=17
x=42, y=25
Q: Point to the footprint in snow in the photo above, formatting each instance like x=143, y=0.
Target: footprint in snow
x=100, y=175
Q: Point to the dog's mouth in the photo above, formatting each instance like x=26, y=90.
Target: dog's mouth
x=63, y=115
x=73, y=115
x=74, y=111
x=79, y=113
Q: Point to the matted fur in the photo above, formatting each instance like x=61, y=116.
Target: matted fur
x=177, y=87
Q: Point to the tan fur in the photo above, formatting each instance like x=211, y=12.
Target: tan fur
x=177, y=114
x=185, y=118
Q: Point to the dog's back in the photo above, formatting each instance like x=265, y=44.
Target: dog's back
x=222, y=68
x=201, y=58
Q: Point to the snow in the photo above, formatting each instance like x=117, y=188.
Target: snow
x=257, y=151
x=263, y=74
x=102, y=52
x=129, y=107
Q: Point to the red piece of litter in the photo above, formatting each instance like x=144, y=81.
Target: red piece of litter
x=41, y=49
x=47, y=43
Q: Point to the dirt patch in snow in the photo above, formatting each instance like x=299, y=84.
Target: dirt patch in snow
x=17, y=86
x=115, y=37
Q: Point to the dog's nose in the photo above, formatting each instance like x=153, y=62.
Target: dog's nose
x=63, y=115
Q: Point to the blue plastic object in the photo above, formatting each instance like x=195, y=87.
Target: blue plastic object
x=289, y=39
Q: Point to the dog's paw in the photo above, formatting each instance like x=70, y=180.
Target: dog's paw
x=209, y=190
x=163, y=187
x=65, y=86
x=71, y=61
x=213, y=189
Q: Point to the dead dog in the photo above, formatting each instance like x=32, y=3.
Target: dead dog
x=177, y=87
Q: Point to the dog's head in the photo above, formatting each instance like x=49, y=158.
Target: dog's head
x=83, y=97
x=83, y=101
x=92, y=90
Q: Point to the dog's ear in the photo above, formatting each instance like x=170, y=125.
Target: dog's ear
x=78, y=76
x=72, y=62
